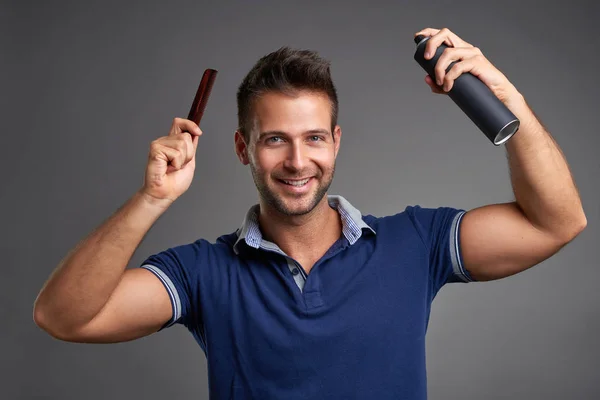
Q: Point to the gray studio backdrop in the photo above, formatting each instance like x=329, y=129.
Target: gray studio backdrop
x=87, y=86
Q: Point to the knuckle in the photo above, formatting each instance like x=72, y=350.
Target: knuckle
x=447, y=52
x=177, y=155
x=154, y=153
x=439, y=68
x=186, y=148
x=181, y=145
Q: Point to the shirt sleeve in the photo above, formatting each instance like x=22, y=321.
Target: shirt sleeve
x=439, y=230
x=177, y=269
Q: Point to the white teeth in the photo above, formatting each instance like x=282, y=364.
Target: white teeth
x=297, y=183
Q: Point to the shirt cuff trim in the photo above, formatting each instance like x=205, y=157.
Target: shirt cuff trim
x=455, y=256
x=173, y=294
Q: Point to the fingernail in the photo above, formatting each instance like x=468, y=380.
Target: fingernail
x=427, y=54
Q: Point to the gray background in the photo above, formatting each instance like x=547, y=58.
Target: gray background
x=86, y=87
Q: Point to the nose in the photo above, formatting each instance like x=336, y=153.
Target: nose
x=296, y=158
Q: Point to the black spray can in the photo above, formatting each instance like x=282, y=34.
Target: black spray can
x=476, y=100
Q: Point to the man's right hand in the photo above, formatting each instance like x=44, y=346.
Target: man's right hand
x=91, y=296
x=171, y=162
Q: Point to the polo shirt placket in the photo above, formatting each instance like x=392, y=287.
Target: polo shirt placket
x=352, y=226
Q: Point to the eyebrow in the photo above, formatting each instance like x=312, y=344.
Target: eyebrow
x=282, y=133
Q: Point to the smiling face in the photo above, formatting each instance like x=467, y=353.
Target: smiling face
x=291, y=150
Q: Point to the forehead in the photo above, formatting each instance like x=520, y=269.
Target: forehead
x=298, y=113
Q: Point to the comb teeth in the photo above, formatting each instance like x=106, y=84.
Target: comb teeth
x=201, y=99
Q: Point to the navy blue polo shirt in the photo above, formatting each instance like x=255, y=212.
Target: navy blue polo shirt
x=353, y=328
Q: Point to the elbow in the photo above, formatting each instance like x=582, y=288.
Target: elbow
x=582, y=225
x=48, y=324
x=574, y=230
x=43, y=321
x=39, y=314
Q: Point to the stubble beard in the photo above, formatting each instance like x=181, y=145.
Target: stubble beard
x=277, y=202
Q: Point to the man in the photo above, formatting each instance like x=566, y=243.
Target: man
x=310, y=299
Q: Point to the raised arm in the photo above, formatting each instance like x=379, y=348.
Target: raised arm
x=90, y=296
x=500, y=240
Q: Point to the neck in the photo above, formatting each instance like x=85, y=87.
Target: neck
x=320, y=227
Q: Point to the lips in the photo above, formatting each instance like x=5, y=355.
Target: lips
x=295, y=182
x=296, y=185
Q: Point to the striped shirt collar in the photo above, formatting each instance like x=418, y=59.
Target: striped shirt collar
x=352, y=224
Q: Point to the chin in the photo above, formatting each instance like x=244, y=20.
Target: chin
x=291, y=205
x=299, y=209
x=295, y=206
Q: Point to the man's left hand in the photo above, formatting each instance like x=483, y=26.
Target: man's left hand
x=469, y=59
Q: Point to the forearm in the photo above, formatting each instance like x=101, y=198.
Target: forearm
x=540, y=176
x=84, y=280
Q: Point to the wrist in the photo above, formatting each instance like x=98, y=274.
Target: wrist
x=153, y=202
x=516, y=102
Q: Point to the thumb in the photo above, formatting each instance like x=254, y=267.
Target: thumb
x=195, y=142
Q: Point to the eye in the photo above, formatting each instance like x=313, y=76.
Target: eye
x=274, y=139
x=316, y=138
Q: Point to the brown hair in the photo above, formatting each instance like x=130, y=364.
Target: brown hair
x=286, y=71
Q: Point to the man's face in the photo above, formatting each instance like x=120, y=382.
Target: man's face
x=291, y=151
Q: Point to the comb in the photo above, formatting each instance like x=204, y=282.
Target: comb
x=199, y=104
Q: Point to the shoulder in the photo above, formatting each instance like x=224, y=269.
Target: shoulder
x=410, y=215
x=415, y=213
x=190, y=253
x=415, y=218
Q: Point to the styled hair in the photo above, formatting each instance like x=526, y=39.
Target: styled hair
x=285, y=71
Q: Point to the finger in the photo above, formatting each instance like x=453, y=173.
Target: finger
x=169, y=155
x=469, y=65
x=181, y=143
x=450, y=55
x=436, y=37
x=427, y=32
x=439, y=36
x=433, y=86
x=184, y=125
x=175, y=157
x=195, y=143
x=189, y=146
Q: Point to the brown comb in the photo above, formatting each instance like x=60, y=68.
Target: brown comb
x=199, y=104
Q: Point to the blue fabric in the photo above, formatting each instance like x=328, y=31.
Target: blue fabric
x=357, y=330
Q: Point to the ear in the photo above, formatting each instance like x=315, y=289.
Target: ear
x=337, y=135
x=241, y=149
